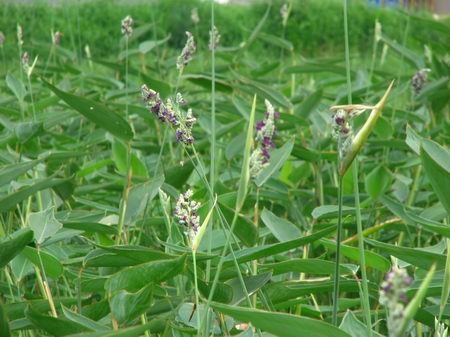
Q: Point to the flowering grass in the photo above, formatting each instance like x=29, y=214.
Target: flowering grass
x=209, y=190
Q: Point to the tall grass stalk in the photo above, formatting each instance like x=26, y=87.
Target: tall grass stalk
x=128, y=177
x=197, y=304
x=338, y=253
x=212, y=178
x=365, y=290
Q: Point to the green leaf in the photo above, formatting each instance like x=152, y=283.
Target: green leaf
x=149, y=45
x=52, y=266
x=252, y=284
x=96, y=113
x=136, y=277
x=281, y=228
x=16, y=87
x=254, y=253
x=155, y=326
x=27, y=130
x=330, y=211
x=43, y=224
x=10, y=172
x=416, y=257
x=245, y=170
x=277, y=159
x=4, y=323
x=140, y=196
x=276, y=41
x=280, y=324
x=13, y=245
x=377, y=182
x=413, y=139
x=82, y=320
x=354, y=326
x=307, y=266
x=52, y=325
x=373, y=260
x=120, y=158
x=11, y=200
x=127, y=306
x=436, y=162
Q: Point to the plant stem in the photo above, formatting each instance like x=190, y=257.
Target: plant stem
x=212, y=178
x=338, y=254
x=365, y=290
x=197, y=304
x=125, y=193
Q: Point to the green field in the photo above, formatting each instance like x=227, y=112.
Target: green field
x=183, y=168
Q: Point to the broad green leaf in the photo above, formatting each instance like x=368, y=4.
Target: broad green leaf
x=136, y=277
x=282, y=229
x=126, y=306
x=155, y=326
x=96, y=113
x=330, y=211
x=254, y=253
x=52, y=266
x=417, y=257
x=277, y=159
x=351, y=324
x=307, y=266
x=436, y=162
x=13, y=245
x=11, y=200
x=276, y=41
x=410, y=56
x=17, y=310
x=120, y=158
x=140, y=196
x=16, y=87
x=373, y=260
x=377, y=182
x=147, y=46
x=10, y=172
x=281, y=324
x=43, y=224
x=252, y=284
x=52, y=325
x=223, y=292
x=82, y=320
x=27, y=130
x=413, y=139
x=413, y=219
x=4, y=323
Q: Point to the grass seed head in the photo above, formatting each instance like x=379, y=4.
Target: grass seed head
x=194, y=16
x=187, y=52
x=214, y=38
x=127, y=26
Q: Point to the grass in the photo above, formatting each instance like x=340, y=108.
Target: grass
x=95, y=239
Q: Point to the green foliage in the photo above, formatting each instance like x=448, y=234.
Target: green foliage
x=90, y=178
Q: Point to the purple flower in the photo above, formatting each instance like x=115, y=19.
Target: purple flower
x=186, y=210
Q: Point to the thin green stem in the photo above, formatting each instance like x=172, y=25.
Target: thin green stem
x=365, y=290
x=338, y=254
x=125, y=193
x=197, y=304
x=32, y=99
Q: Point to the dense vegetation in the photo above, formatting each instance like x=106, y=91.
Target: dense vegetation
x=287, y=174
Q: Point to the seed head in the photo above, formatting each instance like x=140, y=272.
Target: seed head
x=265, y=130
x=127, y=26
x=214, y=39
x=419, y=80
x=56, y=38
x=20, y=35
x=187, y=52
x=393, y=297
x=2, y=39
x=378, y=28
x=170, y=112
x=194, y=16
x=284, y=12
x=440, y=330
x=186, y=211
